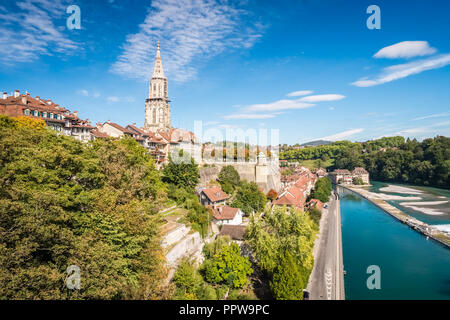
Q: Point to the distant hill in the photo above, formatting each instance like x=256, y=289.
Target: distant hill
x=316, y=143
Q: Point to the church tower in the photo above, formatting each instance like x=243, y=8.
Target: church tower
x=157, y=109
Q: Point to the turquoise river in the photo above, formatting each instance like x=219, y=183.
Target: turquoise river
x=411, y=266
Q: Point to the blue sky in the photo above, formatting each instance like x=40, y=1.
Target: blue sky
x=310, y=68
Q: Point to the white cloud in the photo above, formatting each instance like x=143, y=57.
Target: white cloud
x=28, y=31
x=404, y=70
x=322, y=97
x=83, y=92
x=190, y=32
x=278, y=105
x=299, y=93
x=405, y=49
x=342, y=135
x=250, y=116
x=113, y=99
x=430, y=128
x=436, y=115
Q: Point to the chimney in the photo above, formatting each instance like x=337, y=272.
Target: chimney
x=28, y=94
x=5, y=95
x=75, y=113
x=220, y=209
x=16, y=93
x=24, y=100
x=38, y=97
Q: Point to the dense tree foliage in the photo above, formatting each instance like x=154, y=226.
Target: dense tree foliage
x=228, y=266
x=388, y=159
x=223, y=272
x=199, y=216
x=190, y=285
x=249, y=198
x=315, y=214
x=276, y=235
x=183, y=173
x=66, y=203
x=229, y=179
x=287, y=282
x=322, y=189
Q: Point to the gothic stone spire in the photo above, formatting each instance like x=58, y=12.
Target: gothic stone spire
x=157, y=109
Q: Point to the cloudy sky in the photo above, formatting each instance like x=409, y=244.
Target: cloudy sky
x=310, y=68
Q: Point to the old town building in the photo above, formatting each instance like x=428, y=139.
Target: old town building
x=56, y=117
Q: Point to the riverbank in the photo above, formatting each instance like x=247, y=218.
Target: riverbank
x=421, y=227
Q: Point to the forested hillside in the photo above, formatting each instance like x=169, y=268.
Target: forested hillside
x=386, y=159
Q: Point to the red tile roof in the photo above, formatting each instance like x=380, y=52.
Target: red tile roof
x=118, y=127
x=341, y=171
x=215, y=194
x=137, y=130
x=224, y=213
x=315, y=203
x=99, y=134
x=359, y=170
x=291, y=197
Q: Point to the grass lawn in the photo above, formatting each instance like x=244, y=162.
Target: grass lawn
x=312, y=164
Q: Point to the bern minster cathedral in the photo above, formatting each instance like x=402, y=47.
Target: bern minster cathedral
x=157, y=108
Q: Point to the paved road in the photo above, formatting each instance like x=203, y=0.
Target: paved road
x=327, y=280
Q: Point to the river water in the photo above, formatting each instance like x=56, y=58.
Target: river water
x=411, y=266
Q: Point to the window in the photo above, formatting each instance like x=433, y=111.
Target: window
x=27, y=112
x=44, y=114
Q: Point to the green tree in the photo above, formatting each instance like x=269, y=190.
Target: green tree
x=228, y=266
x=181, y=173
x=358, y=181
x=279, y=232
x=228, y=176
x=287, y=283
x=66, y=203
x=249, y=198
x=322, y=189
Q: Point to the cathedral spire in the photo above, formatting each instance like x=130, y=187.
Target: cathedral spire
x=158, y=69
x=157, y=108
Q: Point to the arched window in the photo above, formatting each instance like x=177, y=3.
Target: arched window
x=154, y=116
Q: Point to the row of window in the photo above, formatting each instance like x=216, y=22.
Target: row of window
x=80, y=130
x=55, y=127
x=43, y=114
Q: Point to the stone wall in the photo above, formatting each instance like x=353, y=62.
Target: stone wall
x=208, y=173
x=266, y=176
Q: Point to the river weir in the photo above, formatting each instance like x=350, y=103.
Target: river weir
x=411, y=267
x=418, y=225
